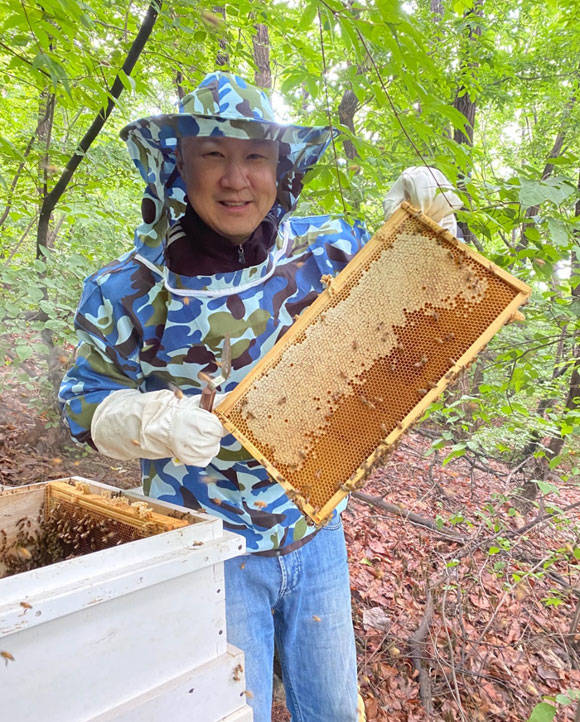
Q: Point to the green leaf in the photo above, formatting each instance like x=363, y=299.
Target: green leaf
x=308, y=15
x=460, y=7
x=487, y=388
x=518, y=378
x=553, y=601
x=563, y=699
x=533, y=234
x=534, y=193
x=56, y=71
x=542, y=712
x=547, y=488
x=23, y=352
x=349, y=33
x=458, y=451
x=54, y=325
x=558, y=232
x=127, y=80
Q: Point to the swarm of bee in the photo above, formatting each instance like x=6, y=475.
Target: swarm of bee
x=61, y=532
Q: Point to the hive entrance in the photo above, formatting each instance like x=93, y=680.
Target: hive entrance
x=364, y=361
x=60, y=520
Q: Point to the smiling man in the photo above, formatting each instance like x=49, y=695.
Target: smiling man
x=230, y=183
x=220, y=254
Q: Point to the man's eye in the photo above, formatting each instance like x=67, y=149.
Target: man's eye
x=256, y=156
x=212, y=154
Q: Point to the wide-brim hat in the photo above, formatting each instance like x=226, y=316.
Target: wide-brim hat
x=223, y=105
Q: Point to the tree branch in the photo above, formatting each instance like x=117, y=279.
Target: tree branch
x=22, y=59
x=52, y=198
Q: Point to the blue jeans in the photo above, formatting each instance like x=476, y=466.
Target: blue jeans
x=302, y=602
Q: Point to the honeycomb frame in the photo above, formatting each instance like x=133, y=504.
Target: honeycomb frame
x=319, y=428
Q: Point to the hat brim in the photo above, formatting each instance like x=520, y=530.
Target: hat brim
x=163, y=131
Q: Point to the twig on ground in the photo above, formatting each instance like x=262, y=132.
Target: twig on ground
x=416, y=644
x=515, y=470
x=409, y=515
x=545, y=516
x=455, y=688
x=575, y=619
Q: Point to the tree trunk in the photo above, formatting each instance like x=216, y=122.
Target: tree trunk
x=261, y=43
x=222, y=58
x=437, y=10
x=45, y=120
x=51, y=199
x=346, y=110
x=467, y=106
x=179, y=85
x=349, y=103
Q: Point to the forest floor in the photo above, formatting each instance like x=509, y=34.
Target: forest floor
x=474, y=620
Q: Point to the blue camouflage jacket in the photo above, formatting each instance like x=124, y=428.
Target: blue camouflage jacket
x=143, y=326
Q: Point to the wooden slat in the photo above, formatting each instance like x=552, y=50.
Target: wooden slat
x=112, y=507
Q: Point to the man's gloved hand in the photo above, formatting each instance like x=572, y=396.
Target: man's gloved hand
x=422, y=187
x=129, y=424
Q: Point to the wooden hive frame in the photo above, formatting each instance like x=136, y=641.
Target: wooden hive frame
x=45, y=513
x=138, y=515
x=346, y=418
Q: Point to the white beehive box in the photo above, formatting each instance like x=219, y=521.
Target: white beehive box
x=133, y=632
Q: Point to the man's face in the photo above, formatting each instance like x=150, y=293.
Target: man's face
x=231, y=183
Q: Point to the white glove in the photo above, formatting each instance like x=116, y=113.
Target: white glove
x=129, y=424
x=422, y=187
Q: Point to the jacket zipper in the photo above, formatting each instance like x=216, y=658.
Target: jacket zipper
x=241, y=255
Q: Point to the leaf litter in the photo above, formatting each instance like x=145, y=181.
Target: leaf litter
x=494, y=647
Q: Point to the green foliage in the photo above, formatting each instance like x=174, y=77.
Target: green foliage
x=546, y=711
x=542, y=712
x=405, y=68
x=45, y=299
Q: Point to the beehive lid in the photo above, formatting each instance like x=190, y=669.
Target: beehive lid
x=364, y=361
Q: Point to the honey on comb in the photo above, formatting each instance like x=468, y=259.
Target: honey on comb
x=389, y=292
x=362, y=361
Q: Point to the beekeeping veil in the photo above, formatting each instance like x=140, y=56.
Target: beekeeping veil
x=223, y=105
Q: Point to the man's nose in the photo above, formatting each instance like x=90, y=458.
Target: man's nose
x=234, y=175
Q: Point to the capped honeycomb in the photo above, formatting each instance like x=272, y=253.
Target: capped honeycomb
x=364, y=361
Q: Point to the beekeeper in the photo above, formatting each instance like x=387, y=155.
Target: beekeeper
x=219, y=254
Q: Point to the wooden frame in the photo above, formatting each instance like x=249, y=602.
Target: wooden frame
x=229, y=409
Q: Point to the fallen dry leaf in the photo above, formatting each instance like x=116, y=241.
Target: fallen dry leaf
x=377, y=618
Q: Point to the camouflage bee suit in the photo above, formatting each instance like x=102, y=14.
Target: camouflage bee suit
x=143, y=326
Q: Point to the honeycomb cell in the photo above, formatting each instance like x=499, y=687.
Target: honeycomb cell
x=361, y=364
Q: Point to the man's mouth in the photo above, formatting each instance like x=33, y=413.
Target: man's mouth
x=234, y=204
